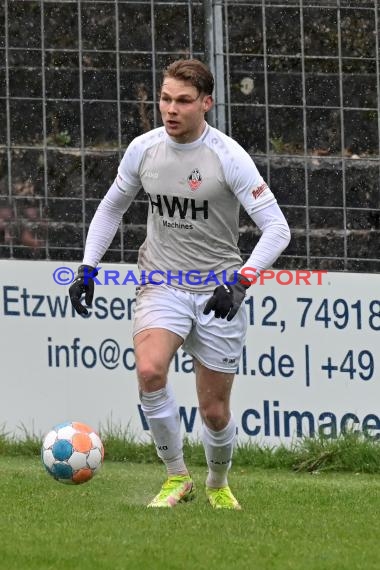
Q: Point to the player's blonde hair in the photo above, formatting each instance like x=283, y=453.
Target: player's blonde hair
x=193, y=71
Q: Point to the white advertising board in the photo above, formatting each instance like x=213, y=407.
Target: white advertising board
x=311, y=361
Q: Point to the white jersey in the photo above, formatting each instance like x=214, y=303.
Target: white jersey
x=194, y=194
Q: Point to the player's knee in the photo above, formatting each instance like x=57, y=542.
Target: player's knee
x=151, y=377
x=215, y=416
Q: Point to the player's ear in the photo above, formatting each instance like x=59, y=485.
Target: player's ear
x=207, y=103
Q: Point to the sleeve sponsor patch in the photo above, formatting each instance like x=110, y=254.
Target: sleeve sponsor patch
x=256, y=192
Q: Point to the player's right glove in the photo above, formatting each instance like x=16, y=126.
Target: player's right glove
x=83, y=284
x=227, y=299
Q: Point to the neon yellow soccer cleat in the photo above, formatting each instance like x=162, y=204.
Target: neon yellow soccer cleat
x=222, y=498
x=177, y=489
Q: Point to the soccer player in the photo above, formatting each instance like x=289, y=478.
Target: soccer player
x=196, y=178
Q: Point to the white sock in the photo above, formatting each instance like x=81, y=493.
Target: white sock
x=161, y=412
x=219, y=446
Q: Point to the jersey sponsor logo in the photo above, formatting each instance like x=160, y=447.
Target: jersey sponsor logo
x=256, y=192
x=194, y=179
x=171, y=206
x=177, y=225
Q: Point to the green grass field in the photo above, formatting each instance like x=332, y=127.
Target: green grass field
x=298, y=521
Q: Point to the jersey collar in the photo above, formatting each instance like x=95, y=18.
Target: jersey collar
x=188, y=146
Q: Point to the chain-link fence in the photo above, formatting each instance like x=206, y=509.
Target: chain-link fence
x=297, y=85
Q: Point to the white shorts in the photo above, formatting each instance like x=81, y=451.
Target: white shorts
x=216, y=343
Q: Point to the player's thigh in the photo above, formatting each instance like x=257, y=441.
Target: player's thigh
x=154, y=349
x=162, y=319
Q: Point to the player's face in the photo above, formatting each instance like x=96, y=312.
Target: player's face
x=183, y=109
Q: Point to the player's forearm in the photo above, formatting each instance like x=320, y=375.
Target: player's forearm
x=100, y=235
x=104, y=225
x=269, y=247
x=274, y=239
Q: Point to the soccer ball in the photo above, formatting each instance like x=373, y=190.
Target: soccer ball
x=72, y=452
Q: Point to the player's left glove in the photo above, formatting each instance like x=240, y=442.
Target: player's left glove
x=227, y=299
x=83, y=284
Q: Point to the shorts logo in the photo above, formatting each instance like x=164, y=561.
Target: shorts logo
x=229, y=360
x=259, y=190
x=194, y=179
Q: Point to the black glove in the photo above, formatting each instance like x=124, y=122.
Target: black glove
x=227, y=299
x=83, y=284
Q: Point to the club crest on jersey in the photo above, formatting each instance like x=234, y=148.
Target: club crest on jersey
x=194, y=179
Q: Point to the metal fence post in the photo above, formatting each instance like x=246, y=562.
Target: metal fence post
x=213, y=15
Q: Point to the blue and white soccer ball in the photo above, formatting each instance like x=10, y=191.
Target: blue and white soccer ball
x=72, y=453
